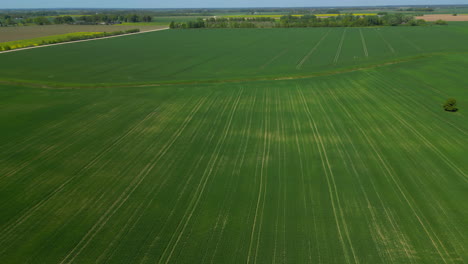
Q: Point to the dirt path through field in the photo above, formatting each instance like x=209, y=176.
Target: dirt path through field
x=70, y=42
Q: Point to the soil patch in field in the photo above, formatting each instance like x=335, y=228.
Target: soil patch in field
x=447, y=17
x=28, y=32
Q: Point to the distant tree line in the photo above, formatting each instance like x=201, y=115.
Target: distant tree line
x=222, y=22
x=9, y=20
x=291, y=21
x=113, y=19
x=350, y=20
x=417, y=9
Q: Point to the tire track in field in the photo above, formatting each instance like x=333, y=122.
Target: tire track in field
x=284, y=182
x=307, y=56
x=193, y=205
x=185, y=186
x=25, y=216
x=126, y=170
x=211, y=136
x=127, y=188
x=301, y=167
x=265, y=162
x=390, y=218
x=58, y=231
x=396, y=229
x=274, y=58
x=308, y=210
x=243, y=148
x=411, y=43
x=103, y=165
x=79, y=116
x=48, y=149
x=243, y=243
x=391, y=175
x=338, y=51
x=391, y=87
x=327, y=170
x=154, y=192
x=423, y=139
x=436, y=206
x=333, y=190
x=391, y=92
x=364, y=46
x=70, y=141
x=136, y=215
x=357, y=154
x=390, y=47
x=87, y=238
x=342, y=151
x=281, y=152
x=223, y=214
x=260, y=204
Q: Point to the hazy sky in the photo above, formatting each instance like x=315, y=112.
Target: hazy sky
x=212, y=3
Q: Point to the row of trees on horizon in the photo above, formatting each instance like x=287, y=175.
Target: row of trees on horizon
x=291, y=21
x=9, y=20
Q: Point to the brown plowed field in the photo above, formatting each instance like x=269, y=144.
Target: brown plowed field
x=447, y=17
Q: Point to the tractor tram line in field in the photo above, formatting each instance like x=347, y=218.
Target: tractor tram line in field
x=378, y=80
x=81, y=170
x=390, y=47
x=240, y=160
x=340, y=46
x=200, y=188
x=364, y=46
x=284, y=51
x=136, y=182
x=306, y=57
x=333, y=190
x=436, y=242
x=388, y=248
x=182, y=189
x=443, y=157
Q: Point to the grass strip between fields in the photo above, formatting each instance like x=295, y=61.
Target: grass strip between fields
x=47, y=85
x=69, y=37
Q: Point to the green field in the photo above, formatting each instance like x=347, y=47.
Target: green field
x=227, y=54
x=332, y=157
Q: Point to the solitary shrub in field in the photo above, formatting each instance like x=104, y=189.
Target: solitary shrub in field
x=451, y=105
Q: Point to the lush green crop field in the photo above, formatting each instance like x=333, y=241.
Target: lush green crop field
x=358, y=166
x=195, y=55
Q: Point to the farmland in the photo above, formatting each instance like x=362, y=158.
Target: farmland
x=8, y=34
x=227, y=54
x=237, y=146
